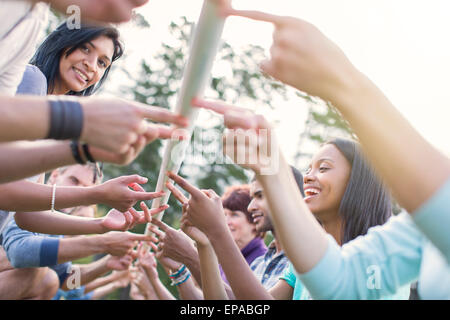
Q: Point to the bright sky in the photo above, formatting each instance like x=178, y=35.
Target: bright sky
x=402, y=45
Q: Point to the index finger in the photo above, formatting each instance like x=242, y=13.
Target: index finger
x=259, y=16
x=184, y=184
x=161, y=225
x=141, y=237
x=160, y=114
x=177, y=193
x=216, y=106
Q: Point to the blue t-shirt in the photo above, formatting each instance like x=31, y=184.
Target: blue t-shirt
x=389, y=257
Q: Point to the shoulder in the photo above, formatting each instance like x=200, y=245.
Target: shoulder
x=33, y=82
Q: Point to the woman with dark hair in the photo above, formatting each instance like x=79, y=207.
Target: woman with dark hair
x=75, y=61
x=360, y=202
x=235, y=201
x=345, y=196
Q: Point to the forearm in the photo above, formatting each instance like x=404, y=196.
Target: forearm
x=79, y=247
x=29, y=196
x=300, y=235
x=104, y=290
x=89, y=272
x=244, y=283
x=23, y=159
x=189, y=291
x=99, y=282
x=192, y=262
x=58, y=223
x=383, y=132
x=16, y=126
x=160, y=290
x=212, y=283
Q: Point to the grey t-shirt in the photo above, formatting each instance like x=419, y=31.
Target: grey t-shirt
x=33, y=83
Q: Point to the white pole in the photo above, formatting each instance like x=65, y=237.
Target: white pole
x=205, y=42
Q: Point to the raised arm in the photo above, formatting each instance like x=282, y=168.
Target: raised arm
x=305, y=59
x=393, y=251
x=206, y=213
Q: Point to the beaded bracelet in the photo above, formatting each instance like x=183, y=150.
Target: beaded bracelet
x=178, y=272
x=184, y=280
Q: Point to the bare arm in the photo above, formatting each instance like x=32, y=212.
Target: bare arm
x=212, y=283
x=206, y=213
x=22, y=159
x=312, y=63
x=89, y=272
x=114, y=243
x=16, y=126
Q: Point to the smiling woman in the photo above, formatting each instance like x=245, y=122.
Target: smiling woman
x=77, y=61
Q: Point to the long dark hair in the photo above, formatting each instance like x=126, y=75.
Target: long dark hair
x=48, y=55
x=366, y=201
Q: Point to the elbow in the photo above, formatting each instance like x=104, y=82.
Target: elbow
x=20, y=219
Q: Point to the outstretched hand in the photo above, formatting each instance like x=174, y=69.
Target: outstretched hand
x=250, y=141
x=204, y=208
x=194, y=233
x=303, y=57
x=117, y=194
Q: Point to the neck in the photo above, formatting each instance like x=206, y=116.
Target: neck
x=332, y=224
x=57, y=89
x=277, y=243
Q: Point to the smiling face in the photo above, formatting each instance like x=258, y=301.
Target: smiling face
x=242, y=230
x=85, y=66
x=326, y=181
x=259, y=208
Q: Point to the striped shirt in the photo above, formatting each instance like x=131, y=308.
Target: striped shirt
x=269, y=267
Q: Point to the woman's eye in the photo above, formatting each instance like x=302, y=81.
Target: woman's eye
x=323, y=169
x=84, y=48
x=102, y=63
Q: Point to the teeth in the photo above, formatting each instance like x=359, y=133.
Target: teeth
x=81, y=75
x=312, y=191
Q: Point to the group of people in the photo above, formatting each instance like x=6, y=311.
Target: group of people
x=334, y=234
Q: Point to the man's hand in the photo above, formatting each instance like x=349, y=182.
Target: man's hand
x=204, y=208
x=172, y=243
x=119, y=263
x=122, y=243
x=118, y=125
x=117, y=194
x=194, y=233
x=153, y=132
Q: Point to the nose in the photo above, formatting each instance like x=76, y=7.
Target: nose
x=252, y=206
x=309, y=177
x=91, y=63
